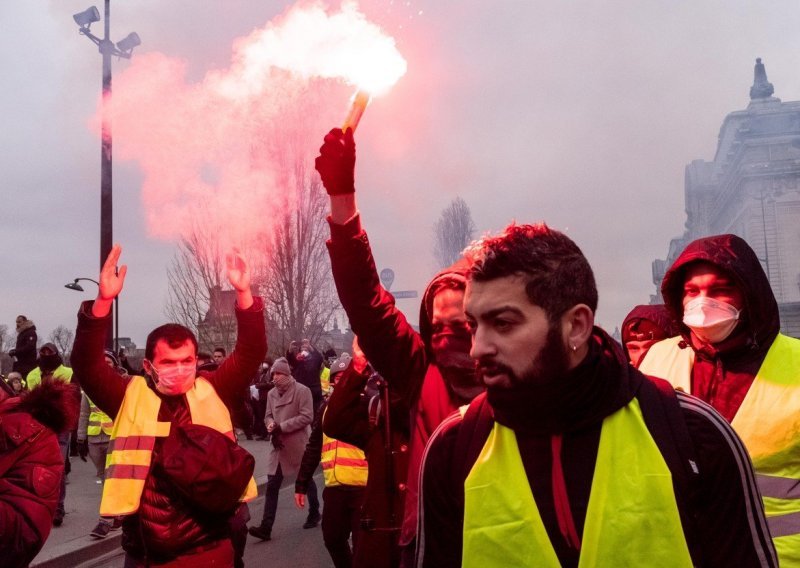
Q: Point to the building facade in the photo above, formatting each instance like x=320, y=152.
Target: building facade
x=752, y=189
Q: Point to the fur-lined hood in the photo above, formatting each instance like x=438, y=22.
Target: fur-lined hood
x=52, y=404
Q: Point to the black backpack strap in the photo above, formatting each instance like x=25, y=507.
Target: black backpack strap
x=475, y=427
x=664, y=418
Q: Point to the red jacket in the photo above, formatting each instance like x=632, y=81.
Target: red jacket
x=165, y=528
x=392, y=346
x=30, y=468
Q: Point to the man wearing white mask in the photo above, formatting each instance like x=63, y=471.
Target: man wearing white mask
x=165, y=522
x=732, y=355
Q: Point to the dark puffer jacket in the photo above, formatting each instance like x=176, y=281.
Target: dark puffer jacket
x=165, y=527
x=30, y=468
x=723, y=373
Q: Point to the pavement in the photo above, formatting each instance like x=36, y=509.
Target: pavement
x=70, y=546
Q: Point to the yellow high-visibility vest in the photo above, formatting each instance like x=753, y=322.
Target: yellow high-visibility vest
x=133, y=438
x=768, y=422
x=99, y=421
x=632, y=517
x=342, y=464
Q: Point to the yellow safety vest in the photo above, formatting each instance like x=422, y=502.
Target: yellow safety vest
x=61, y=373
x=99, y=421
x=632, y=517
x=768, y=422
x=342, y=464
x=133, y=438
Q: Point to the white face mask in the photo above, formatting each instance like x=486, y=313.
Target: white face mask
x=711, y=320
x=174, y=380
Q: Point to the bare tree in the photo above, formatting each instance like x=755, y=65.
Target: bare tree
x=296, y=279
x=452, y=232
x=290, y=268
x=62, y=337
x=196, y=289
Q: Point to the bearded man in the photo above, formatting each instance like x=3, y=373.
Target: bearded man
x=573, y=457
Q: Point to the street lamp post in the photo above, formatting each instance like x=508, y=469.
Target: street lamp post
x=124, y=49
x=78, y=288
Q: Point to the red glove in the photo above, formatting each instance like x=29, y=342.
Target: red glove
x=336, y=162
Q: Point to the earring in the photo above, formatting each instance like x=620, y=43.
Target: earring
x=573, y=347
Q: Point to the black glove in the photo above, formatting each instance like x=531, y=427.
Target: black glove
x=83, y=449
x=336, y=162
x=276, y=430
x=276, y=440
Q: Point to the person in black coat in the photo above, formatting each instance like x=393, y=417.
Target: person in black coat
x=25, y=350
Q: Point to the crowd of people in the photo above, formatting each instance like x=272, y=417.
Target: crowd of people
x=508, y=430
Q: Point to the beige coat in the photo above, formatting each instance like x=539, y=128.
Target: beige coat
x=293, y=411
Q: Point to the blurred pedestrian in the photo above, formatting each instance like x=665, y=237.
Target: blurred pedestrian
x=643, y=327
x=25, y=350
x=288, y=418
x=16, y=382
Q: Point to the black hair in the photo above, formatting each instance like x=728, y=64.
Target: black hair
x=174, y=334
x=557, y=274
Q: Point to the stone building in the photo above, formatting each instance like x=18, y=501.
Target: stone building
x=752, y=189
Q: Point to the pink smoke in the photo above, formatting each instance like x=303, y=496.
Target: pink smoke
x=224, y=151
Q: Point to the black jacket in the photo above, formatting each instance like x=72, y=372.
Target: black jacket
x=728, y=527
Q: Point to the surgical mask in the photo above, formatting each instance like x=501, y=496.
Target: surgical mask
x=710, y=320
x=174, y=380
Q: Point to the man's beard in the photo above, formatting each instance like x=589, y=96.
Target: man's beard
x=550, y=364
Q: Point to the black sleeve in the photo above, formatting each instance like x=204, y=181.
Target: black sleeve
x=441, y=515
x=731, y=528
x=312, y=455
x=26, y=346
x=390, y=343
x=345, y=417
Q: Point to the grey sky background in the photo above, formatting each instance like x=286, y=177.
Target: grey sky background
x=582, y=114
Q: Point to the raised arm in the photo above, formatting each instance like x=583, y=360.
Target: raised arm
x=101, y=383
x=389, y=341
x=251, y=339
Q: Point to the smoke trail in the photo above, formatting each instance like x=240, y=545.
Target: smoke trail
x=227, y=149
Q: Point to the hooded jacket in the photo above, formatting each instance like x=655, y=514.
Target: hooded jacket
x=723, y=373
x=392, y=346
x=31, y=467
x=658, y=314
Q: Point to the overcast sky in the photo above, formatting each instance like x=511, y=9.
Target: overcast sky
x=582, y=114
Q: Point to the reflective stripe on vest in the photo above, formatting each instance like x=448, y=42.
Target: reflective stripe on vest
x=632, y=517
x=342, y=464
x=768, y=422
x=99, y=421
x=134, y=436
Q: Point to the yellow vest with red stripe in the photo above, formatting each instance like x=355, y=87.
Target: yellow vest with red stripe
x=133, y=438
x=342, y=464
x=768, y=422
x=99, y=421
